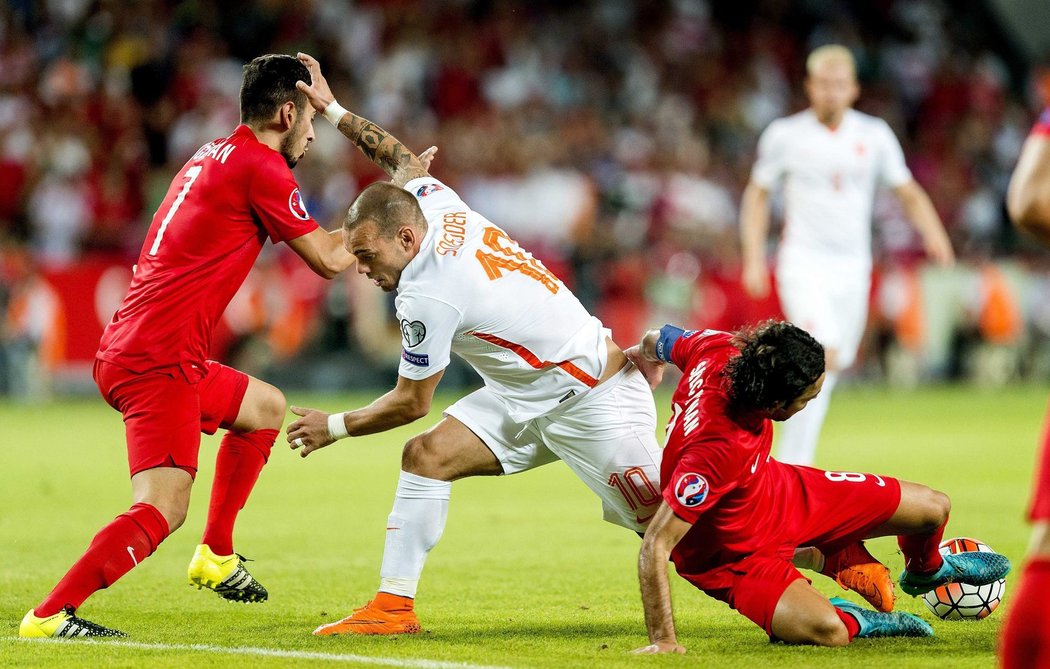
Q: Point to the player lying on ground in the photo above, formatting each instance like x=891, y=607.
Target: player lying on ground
x=1026, y=632
x=152, y=362
x=556, y=386
x=731, y=517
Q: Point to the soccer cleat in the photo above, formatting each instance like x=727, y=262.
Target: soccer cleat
x=226, y=575
x=386, y=614
x=62, y=625
x=971, y=568
x=854, y=568
x=875, y=624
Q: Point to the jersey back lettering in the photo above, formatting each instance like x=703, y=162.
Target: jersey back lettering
x=205, y=236
x=474, y=291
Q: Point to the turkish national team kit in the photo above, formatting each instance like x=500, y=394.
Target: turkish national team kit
x=748, y=511
x=152, y=363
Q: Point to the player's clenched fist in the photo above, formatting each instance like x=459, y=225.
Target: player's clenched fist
x=310, y=432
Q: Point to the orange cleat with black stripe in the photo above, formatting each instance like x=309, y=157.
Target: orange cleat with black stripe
x=854, y=568
x=386, y=614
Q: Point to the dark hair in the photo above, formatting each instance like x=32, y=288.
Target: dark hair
x=269, y=82
x=777, y=362
x=388, y=206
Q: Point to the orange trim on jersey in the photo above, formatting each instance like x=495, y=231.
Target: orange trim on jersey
x=530, y=357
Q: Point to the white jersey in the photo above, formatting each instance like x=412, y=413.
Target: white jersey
x=830, y=179
x=473, y=290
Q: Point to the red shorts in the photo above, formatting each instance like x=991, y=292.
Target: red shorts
x=828, y=510
x=166, y=410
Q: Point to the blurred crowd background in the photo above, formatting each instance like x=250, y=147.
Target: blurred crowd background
x=612, y=138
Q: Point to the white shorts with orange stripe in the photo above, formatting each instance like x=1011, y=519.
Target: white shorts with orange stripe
x=606, y=435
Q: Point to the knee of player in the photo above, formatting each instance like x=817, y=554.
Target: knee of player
x=272, y=408
x=421, y=457
x=938, y=506
x=174, y=511
x=827, y=630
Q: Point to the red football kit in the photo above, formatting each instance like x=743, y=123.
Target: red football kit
x=152, y=364
x=1039, y=507
x=748, y=511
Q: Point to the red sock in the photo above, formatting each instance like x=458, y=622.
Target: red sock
x=920, y=551
x=852, y=626
x=241, y=457
x=1025, y=640
x=116, y=549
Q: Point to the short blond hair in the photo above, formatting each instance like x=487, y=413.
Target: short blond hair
x=830, y=53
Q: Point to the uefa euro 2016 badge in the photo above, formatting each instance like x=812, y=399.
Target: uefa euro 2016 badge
x=691, y=489
x=297, y=206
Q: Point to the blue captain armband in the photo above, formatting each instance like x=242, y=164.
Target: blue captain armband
x=669, y=334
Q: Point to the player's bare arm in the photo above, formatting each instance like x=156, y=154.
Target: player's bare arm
x=1028, y=199
x=408, y=401
x=643, y=355
x=663, y=534
x=923, y=216
x=323, y=252
x=754, y=228
x=377, y=144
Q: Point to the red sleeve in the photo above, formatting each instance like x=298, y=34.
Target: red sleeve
x=686, y=346
x=275, y=200
x=705, y=472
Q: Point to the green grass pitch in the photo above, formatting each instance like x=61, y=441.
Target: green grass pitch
x=527, y=575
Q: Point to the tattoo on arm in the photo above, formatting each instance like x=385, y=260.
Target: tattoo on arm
x=382, y=148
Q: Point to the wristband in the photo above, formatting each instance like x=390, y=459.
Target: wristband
x=334, y=112
x=337, y=426
x=669, y=334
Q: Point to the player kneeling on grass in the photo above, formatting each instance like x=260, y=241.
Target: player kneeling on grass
x=732, y=517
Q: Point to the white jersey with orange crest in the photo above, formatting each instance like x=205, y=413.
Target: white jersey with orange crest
x=473, y=291
x=830, y=178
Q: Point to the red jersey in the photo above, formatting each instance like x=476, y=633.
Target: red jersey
x=231, y=195
x=715, y=472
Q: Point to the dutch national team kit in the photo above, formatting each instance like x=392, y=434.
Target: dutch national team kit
x=473, y=291
x=830, y=179
x=152, y=364
x=748, y=511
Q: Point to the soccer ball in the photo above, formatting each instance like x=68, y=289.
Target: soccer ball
x=958, y=601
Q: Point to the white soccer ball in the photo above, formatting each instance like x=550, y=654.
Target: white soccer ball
x=958, y=601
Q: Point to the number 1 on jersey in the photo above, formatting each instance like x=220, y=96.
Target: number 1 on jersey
x=190, y=176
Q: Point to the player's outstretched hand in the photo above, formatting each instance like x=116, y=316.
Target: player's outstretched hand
x=653, y=371
x=427, y=157
x=317, y=91
x=659, y=648
x=310, y=432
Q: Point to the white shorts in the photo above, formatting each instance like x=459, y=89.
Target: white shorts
x=830, y=304
x=606, y=436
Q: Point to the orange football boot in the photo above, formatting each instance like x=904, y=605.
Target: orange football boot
x=854, y=568
x=386, y=614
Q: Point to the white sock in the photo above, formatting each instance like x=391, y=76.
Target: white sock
x=413, y=528
x=797, y=441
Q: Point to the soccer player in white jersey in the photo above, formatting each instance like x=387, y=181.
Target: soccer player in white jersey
x=830, y=159
x=556, y=385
